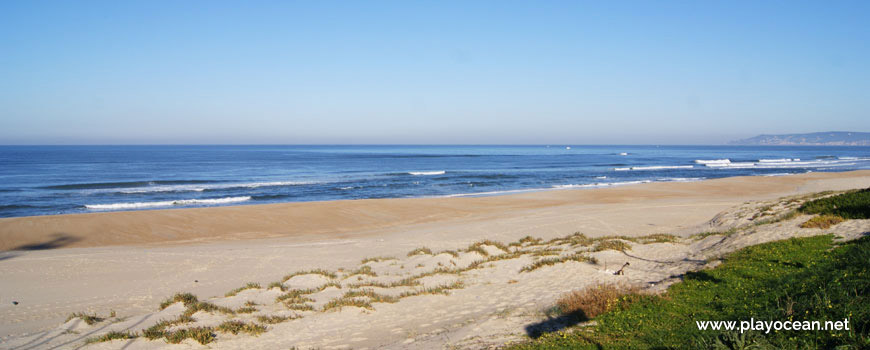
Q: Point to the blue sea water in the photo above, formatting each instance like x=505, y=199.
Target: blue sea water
x=44, y=180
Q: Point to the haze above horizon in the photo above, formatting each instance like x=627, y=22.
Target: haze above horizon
x=553, y=72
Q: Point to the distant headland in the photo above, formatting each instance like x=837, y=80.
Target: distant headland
x=830, y=138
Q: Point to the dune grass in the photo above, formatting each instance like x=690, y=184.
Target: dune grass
x=579, y=257
x=419, y=251
x=849, y=205
x=202, y=335
x=799, y=279
x=377, y=259
x=113, y=335
x=597, y=299
x=236, y=327
x=185, y=298
x=88, y=319
x=249, y=285
x=611, y=244
x=322, y=272
x=273, y=319
x=822, y=221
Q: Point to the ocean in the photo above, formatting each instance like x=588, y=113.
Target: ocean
x=47, y=180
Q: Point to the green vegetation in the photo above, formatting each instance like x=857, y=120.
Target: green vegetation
x=86, y=318
x=203, y=335
x=377, y=259
x=110, y=336
x=273, y=319
x=800, y=279
x=849, y=205
x=611, y=244
x=822, y=221
x=558, y=260
x=321, y=272
x=236, y=327
x=185, y=298
x=250, y=285
x=421, y=250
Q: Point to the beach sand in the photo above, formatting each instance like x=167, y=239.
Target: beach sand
x=130, y=261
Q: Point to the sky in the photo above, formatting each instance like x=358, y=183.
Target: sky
x=430, y=72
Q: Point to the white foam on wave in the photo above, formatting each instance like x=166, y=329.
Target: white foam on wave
x=492, y=193
x=439, y=172
x=779, y=160
x=201, y=188
x=712, y=161
x=139, y=205
x=601, y=184
x=655, y=167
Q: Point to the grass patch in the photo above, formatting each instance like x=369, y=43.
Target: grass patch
x=202, y=335
x=421, y=250
x=558, y=260
x=338, y=304
x=278, y=285
x=185, y=298
x=527, y=240
x=158, y=330
x=822, y=221
x=377, y=259
x=800, y=279
x=236, y=327
x=849, y=205
x=205, y=306
x=611, y=244
x=88, y=319
x=363, y=270
x=706, y=234
x=273, y=319
x=322, y=272
x=113, y=335
x=595, y=300
x=250, y=285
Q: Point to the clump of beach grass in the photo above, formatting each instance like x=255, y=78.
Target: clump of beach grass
x=377, y=259
x=236, y=327
x=421, y=250
x=249, y=285
x=363, y=270
x=158, y=330
x=477, y=247
x=822, y=221
x=113, y=335
x=184, y=298
x=321, y=272
x=205, y=306
x=527, y=240
x=597, y=299
x=202, y=335
x=578, y=257
x=88, y=319
x=611, y=244
x=273, y=319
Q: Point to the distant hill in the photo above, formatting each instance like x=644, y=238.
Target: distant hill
x=830, y=138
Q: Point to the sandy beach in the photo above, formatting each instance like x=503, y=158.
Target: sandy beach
x=128, y=262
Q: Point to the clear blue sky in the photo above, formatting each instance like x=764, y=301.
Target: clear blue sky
x=470, y=72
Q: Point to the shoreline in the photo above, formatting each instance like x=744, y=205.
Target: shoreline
x=191, y=225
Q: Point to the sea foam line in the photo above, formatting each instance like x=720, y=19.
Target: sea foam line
x=655, y=167
x=138, y=205
x=424, y=173
x=200, y=188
